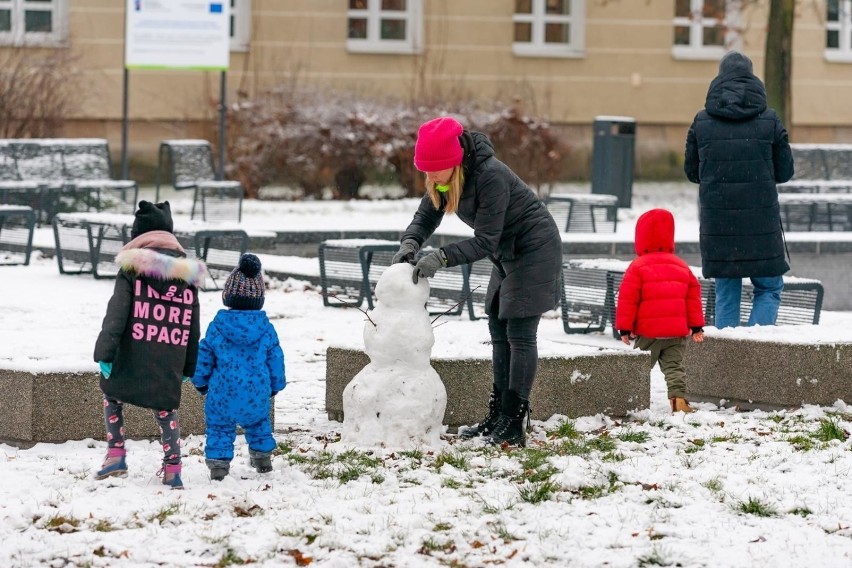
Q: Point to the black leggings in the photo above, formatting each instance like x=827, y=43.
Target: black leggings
x=514, y=353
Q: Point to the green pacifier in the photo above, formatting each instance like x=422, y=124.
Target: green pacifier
x=442, y=188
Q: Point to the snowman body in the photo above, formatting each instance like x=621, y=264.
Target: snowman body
x=397, y=400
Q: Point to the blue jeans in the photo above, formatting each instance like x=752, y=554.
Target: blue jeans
x=764, y=307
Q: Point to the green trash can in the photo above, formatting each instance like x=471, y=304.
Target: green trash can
x=612, y=157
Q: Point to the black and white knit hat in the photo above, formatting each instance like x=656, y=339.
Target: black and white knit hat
x=244, y=287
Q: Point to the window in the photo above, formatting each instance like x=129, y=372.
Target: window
x=33, y=22
x=549, y=28
x=385, y=26
x=706, y=29
x=240, y=25
x=838, y=30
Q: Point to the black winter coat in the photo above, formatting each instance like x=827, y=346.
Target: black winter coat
x=737, y=150
x=151, y=329
x=511, y=227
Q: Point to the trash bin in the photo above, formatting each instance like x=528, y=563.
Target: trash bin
x=612, y=157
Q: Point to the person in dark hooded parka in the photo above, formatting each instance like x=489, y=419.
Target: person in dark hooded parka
x=737, y=151
x=511, y=227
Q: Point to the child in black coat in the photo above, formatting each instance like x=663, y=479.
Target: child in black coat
x=149, y=337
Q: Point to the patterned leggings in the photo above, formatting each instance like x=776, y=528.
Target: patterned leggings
x=169, y=429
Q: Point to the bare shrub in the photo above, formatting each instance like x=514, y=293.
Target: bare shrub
x=316, y=139
x=37, y=92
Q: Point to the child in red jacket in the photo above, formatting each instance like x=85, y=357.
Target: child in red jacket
x=659, y=302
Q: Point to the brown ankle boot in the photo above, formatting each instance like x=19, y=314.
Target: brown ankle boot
x=680, y=405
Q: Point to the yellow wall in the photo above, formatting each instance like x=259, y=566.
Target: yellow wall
x=628, y=69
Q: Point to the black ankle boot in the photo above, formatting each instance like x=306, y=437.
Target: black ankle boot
x=486, y=425
x=510, y=428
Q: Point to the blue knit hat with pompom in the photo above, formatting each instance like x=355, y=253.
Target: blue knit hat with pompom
x=244, y=287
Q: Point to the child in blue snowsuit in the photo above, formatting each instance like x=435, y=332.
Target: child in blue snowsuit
x=240, y=367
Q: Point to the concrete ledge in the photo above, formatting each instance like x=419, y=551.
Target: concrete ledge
x=762, y=372
x=56, y=407
x=614, y=383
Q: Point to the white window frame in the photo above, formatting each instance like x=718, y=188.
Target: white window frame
x=539, y=18
x=696, y=50
x=241, y=14
x=413, y=17
x=17, y=36
x=842, y=54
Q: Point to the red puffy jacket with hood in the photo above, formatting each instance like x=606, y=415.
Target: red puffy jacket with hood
x=659, y=296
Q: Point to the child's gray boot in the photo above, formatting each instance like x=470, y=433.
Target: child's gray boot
x=260, y=461
x=218, y=469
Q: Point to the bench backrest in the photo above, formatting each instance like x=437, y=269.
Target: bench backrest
x=87, y=160
x=39, y=160
x=822, y=161
x=8, y=167
x=189, y=161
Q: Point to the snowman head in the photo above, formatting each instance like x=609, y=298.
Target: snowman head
x=395, y=288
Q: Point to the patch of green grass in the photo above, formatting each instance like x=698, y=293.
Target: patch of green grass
x=53, y=523
x=500, y=530
x=455, y=459
x=714, y=485
x=230, y=558
x=591, y=491
x=801, y=442
x=104, y=525
x=630, y=435
x=439, y=527
x=164, y=513
x=450, y=483
x=801, y=511
x=415, y=455
x=613, y=457
x=777, y=418
x=730, y=438
x=656, y=557
x=572, y=448
x=537, y=492
x=602, y=443
x=533, y=458
x=345, y=467
x=565, y=429
x=830, y=429
x=756, y=507
x=429, y=545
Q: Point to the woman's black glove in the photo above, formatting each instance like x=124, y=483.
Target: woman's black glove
x=406, y=252
x=428, y=266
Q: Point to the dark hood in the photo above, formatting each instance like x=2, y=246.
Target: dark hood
x=735, y=93
x=477, y=148
x=655, y=232
x=240, y=327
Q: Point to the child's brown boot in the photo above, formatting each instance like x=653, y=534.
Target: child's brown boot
x=680, y=405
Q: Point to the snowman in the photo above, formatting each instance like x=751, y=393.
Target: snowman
x=397, y=400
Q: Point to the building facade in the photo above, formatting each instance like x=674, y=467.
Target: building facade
x=565, y=60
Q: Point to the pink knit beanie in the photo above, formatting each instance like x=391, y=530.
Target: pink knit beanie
x=438, y=147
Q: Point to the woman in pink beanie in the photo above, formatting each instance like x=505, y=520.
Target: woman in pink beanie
x=512, y=228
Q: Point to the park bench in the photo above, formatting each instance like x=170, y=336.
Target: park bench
x=816, y=211
x=188, y=164
x=351, y=268
x=16, y=234
x=819, y=197
x=590, y=295
x=584, y=212
x=54, y=175
x=87, y=243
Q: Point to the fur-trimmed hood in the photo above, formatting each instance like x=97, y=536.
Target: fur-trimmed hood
x=155, y=264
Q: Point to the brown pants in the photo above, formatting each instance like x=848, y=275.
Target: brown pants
x=669, y=354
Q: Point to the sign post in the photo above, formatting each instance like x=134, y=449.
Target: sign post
x=177, y=34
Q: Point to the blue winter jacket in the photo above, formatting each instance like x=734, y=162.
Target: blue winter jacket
x=241, y=361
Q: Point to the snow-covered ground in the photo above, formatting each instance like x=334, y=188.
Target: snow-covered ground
x=715, y=488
